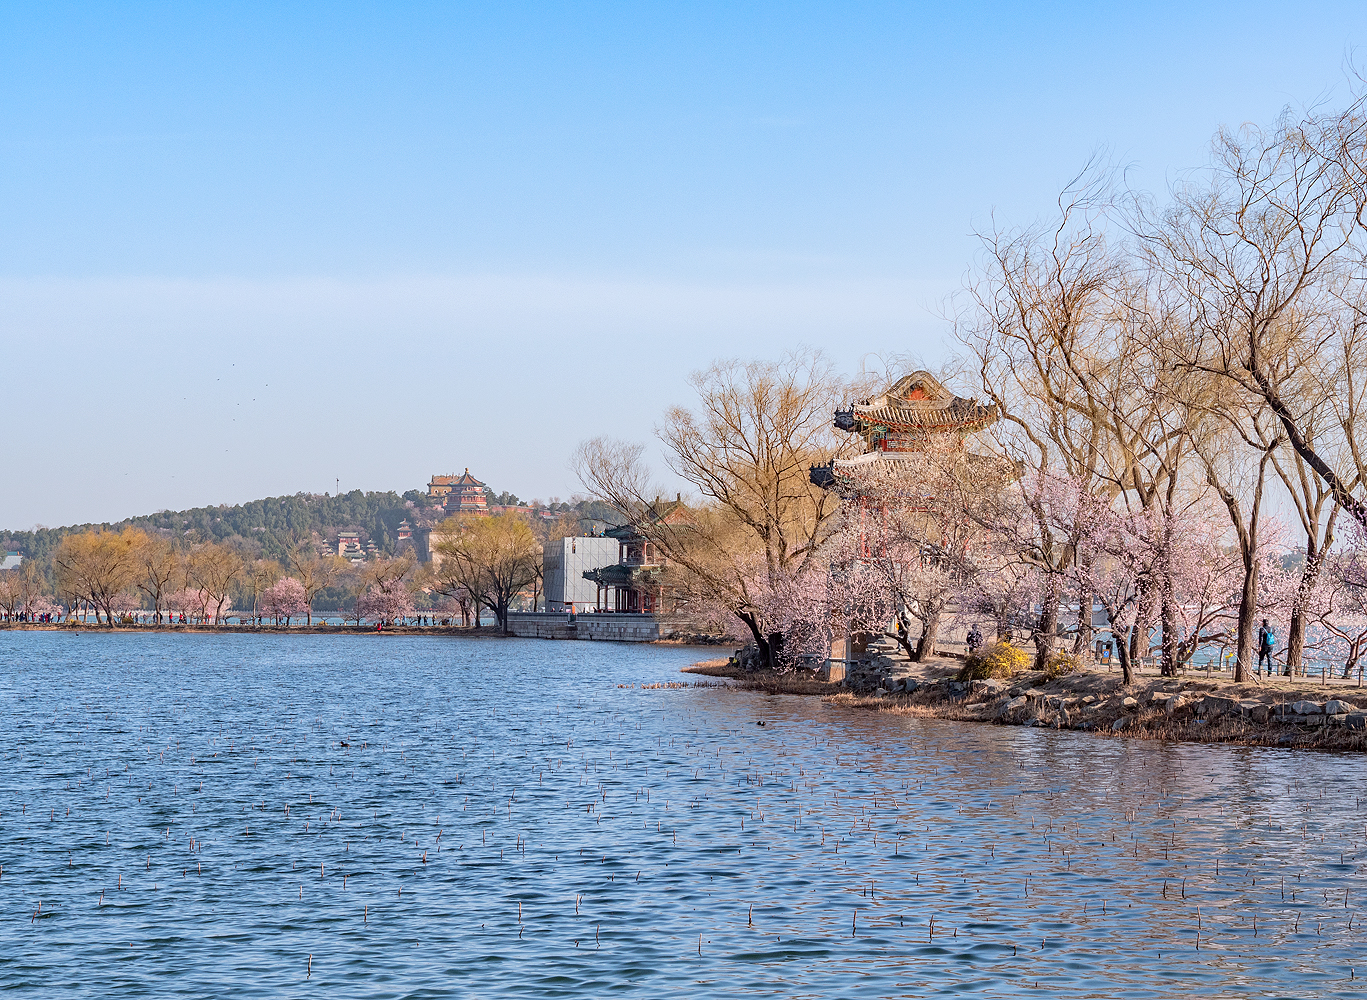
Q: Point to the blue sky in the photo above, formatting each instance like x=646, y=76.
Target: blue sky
x=255, y=249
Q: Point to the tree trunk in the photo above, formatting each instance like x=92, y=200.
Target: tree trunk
x=1168, y=617
x=1295, y=633
x=775, y=649
x=1122, y=653
x=1139, y=635
x=903, y=638
x=930, y=632
x=1047, y=627
x=766, y=652
x=1248, y=609
x=1084, y=621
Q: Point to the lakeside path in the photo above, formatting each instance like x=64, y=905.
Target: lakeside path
x=1274, y=711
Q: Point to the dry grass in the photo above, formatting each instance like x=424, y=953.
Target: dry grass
x=769, y=683
x=720, y=667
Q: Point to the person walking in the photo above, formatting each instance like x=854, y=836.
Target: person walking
x=1267, y=640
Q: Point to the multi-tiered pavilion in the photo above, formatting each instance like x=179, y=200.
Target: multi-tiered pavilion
x=915, y=414
x=459, y=494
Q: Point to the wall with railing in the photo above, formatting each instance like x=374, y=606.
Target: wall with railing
x=601, y=627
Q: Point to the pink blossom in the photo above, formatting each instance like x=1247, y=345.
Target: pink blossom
x=284, y=599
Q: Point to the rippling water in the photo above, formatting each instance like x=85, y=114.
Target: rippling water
x=414, y=816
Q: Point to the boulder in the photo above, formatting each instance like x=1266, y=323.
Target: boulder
x=1121, y=723
x=1033, y=693
x=956, y=689
x=1129, y=703
x=1015, y=704
x=910, y=684
x=880, y=691
x=1306, y=708
x=1337, y=707
x=1259, y=712
x=749, y=659
x=989, y=687
x=1356, y=720
x=1179, y=700
x=1211, y=706
x=1089, y=699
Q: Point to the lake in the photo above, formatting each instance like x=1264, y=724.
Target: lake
x=394, y=816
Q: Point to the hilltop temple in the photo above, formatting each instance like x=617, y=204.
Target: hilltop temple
x=459, y=494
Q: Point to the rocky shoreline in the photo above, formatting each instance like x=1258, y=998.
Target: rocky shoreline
x=1273, y=712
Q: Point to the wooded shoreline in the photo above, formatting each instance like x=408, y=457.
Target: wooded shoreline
x=486, y=632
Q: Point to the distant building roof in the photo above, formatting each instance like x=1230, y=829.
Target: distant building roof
x=464, y=479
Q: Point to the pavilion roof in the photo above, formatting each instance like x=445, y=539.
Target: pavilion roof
x=919, y=401
x=454, y=480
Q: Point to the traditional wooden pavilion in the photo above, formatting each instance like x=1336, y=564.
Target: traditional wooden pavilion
x=638, y=582
x=913, y=414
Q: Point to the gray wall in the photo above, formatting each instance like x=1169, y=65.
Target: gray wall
x=604, y=628
x=564, y=564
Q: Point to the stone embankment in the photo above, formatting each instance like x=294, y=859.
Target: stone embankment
x=1276, y=712
x=1159, y=708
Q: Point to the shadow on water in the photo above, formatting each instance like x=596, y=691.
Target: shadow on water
x=417, y=816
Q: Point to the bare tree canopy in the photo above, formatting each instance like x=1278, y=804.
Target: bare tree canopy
x=746, y=448
x=491, y=558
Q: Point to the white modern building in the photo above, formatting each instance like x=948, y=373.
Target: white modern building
x=564, y=563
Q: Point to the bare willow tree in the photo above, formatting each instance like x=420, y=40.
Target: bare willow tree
x=158, y=564
x=11, y=592
x=746, y=448
x=214, y=569
x=1318, y=515
x=1265, y=252
x=97, y=566
x=493, y=559
x=1041, y=332
x=315, y=571
x=1235, y=458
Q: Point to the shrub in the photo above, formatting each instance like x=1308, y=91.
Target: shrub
x=1001, y=659
x=1062, y=663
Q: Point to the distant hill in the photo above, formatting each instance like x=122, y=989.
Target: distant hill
x=270, y=527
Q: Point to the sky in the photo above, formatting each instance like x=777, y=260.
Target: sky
x=258, y=249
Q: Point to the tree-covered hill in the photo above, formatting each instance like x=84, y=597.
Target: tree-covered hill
x=270, y=527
